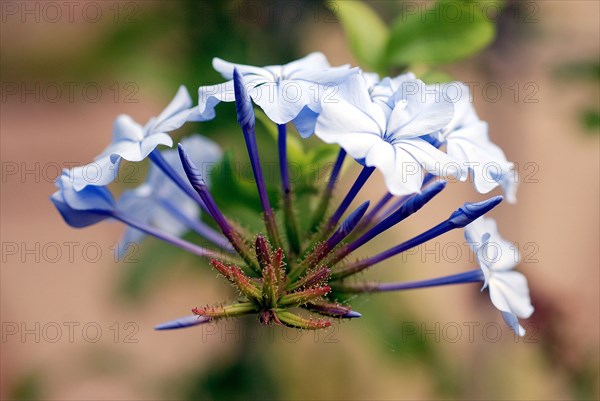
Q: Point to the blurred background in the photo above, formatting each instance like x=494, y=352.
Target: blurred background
x=78, y=325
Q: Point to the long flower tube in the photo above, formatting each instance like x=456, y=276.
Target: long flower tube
x=291, y=224
x=246, y=119
x=295, y=273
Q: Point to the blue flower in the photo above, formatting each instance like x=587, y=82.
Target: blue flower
x=497, y=258
x=291, y=92
x=410, y=131
x=82, y=208
x=467, y=140
x=389, y=134
x=134, y=142
x=160, y=203
x=94, y=204
x=382, y=91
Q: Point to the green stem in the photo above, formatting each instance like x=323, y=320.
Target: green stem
x=323, y=205
x=321, y=209
x=291, y=225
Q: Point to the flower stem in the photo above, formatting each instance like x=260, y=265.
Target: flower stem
x=246, y=119
x=283, y=166
x=157, y=158
x=471, y=276
x=373, y=213
x=411, y=205
x=198, y=226
x=337, y=215
x=464, y=215
x=199, y=185
x=398, y=204
x=182, y=322
x=323, y=249
x=328, y=192
x=291, y=225
x=169, y=238
x=358, y=184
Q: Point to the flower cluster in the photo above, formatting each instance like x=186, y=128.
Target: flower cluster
x=415, y=135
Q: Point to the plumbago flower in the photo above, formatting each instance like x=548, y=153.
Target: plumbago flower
x=303, y=277
x=286, y=93
x=497, y=258
x=162, y=204
x=466, y=139
x=134, y=142
x=388, y=133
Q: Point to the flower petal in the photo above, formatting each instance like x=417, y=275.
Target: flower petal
x=491, y=248
x=509, y=182
x=281, y=101
x=511, y=293
x=485, y=160
x=305, y=122
x=391, y=161
x=177, y=120
x=432, y=159
x=464, y=112
x=91, y=197
x=310, y=62
x=513, y=322
x=81, y=208
x=76, y=218
x=100, y=172
x=331, y=76
x=125, y=128
x=210, y=96
x=225, y=68
x=180, y=102
x=150, y=143
x=353, y=129
x=480, y=231
x=418, y=111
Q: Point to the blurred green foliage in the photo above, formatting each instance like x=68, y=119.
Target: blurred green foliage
x=439, y=40
x=584, y=72
x=246, y=377
x=367, y=34
x=447, y=31
x=174, y=43
x=28, y=387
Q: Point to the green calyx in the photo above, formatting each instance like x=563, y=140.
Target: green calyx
x=272, y=295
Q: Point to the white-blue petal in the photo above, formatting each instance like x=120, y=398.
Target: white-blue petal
x=419, y=111
x=485, y=160
x=432, y=159
x=76, y=218
x=210, y=96
x=125, y=128
x=100, y=172
x=312, y=61
x=182, y=101
x=513, y=322
x=91, y=197
x=225, y=68
x=305, y=122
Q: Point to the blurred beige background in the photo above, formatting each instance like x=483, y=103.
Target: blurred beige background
x=555, y=223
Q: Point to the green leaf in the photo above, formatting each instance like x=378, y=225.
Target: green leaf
x=447, y=32
x=366, y=32
x=590, y=119
x=436, y=77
